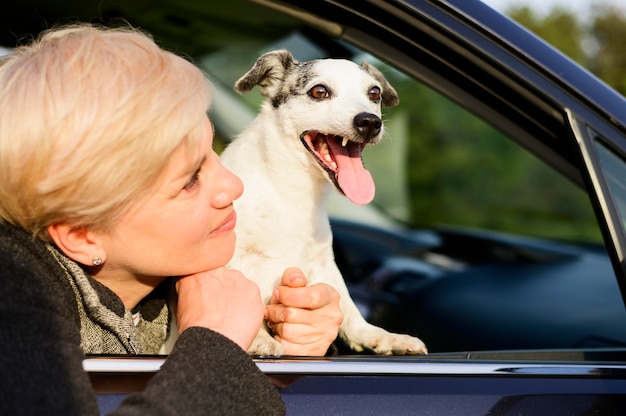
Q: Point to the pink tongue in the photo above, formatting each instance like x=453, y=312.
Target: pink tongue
x=355, y=182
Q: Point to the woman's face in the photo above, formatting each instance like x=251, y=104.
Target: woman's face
x=185, y=226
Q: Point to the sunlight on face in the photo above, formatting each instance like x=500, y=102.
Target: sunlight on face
x=186, y=225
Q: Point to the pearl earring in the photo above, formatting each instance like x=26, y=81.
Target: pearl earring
x=97, y=261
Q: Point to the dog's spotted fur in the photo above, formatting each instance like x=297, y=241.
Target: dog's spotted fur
x=289, y=158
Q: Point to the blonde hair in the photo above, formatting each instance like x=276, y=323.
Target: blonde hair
x=89, y=117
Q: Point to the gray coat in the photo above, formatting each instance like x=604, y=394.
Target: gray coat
x=47, y=302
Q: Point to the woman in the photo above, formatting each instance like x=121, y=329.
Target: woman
x=108, y=187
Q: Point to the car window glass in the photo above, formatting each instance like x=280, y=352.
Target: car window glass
x=614, y=170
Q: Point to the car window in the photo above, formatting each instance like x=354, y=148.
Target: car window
x=471, y=243
x=614, y=169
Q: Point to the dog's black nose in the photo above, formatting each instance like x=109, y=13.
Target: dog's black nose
x=368, y=125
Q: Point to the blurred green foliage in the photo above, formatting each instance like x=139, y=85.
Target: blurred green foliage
x=461, y=171
x=596, y=41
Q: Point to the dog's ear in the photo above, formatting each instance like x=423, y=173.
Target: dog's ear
x=268, y=72
x=390, y=96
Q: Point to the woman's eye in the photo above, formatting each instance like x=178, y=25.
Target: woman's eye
x=374, y=94
x=319, y=92
x=193, y=181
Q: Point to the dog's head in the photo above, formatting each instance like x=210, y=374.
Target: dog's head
x=333, y=106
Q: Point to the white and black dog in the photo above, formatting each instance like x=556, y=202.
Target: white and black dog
x=314, y=123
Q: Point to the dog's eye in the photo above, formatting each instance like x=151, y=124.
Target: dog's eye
x=319, y=92
x=375, y=94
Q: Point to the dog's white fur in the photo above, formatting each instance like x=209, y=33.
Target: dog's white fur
x=282, y=219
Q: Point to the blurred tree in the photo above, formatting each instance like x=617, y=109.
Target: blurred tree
x=594, y=41
x=561, y=28
x=609, y=61
x=461, y=171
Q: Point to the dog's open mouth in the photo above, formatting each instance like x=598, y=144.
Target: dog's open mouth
x=341, y=158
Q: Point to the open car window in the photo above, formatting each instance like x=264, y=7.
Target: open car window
x=476, y=240
x=472, y=243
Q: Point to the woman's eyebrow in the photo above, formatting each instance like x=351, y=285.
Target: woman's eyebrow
x=196, y=166
x=201, y=162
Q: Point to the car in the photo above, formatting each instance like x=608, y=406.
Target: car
x=498, y=231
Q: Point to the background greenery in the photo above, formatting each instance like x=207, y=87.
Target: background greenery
x=461, y=171
x=596, y=41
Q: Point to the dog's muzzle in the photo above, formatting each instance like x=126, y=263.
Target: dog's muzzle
x=342, y=161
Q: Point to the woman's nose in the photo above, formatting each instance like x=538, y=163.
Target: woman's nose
x=230, y=188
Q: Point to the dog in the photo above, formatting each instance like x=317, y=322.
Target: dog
x=316, y=118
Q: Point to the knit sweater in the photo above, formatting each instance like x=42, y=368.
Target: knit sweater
x=106, y=326
x=51, y=310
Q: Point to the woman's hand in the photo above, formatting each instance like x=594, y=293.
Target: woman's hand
x=305, y=320
x=222, y=300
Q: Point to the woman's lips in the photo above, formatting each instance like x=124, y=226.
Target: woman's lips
x=227, y=226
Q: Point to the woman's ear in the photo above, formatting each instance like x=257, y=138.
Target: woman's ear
x=79, y=244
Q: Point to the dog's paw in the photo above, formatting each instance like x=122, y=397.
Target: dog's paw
x=383, y=342
x=265, y=346
x=400, y=344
